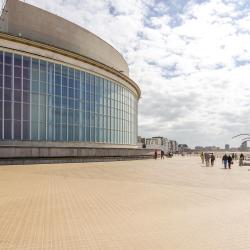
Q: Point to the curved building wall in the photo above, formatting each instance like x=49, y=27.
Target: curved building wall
x=24, y=20
x=46, y=100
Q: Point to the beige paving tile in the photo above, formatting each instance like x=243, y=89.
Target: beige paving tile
x=170, y=204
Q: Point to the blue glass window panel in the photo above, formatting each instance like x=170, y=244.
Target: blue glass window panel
x=71, y=116
x=71, y=82
x=7, y=94
x=76, y=116
x=64, y=102
x=42, y=131
x=71, y=103
x=64, y=116
x=87, y=134
x=57, y=69
x=26, y=112
x=87, y=82
x=87, y=119
x=58, y=90
x=26, y=97
x=26, y=62
x=76, y=133
x=35, y=86
x=71, y=73
x=64, y=71
x=1, y=94
x=92, y=84
x=7, y=129
x=77, y=74
x=43, y=65
x=92, y=120
x=64, y=91
x=35, y=64
x=1, y=69
x=58, y=132
x=42, y=114
x=17, y=83
x=92, y=134
x=87, y=97
x=8, y=58
x=64, y=132
x=77, y=84
x=18, y=60
x=64, y=81
x=26, y=130
x=92, y=107
x=34, y=109
x=17, y=96
x=34, y=131
x=70, y=133
x=58, y=116
x=83, y=80
x=77, y=104
x=43, y=87
x=35, y=99
x=58, y=80
x=17, y=71
x=26, y=84
x=8, y=70
x=43, y=76
x=35, y=75
x=71, y=92
x=1, y=56
x=77, y=94
x=17, y=130
x=58, y=101
x=87, y=105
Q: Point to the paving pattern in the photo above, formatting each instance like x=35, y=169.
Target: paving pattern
x=150, y=204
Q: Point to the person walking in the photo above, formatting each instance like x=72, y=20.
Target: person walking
x=202, y=157
x=212, y=159
x=241, y=160
x=207, y=159
x=162, y=154
x=224, y=160
x=230, y=161
x=155, y=154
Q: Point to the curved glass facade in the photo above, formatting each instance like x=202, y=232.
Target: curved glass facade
x=45, y=101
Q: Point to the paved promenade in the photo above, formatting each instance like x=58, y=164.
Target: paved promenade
x=137, y=205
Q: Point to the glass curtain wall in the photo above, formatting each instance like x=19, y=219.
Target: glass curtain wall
x=44, y=101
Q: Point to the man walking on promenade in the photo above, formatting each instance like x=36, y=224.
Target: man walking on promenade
x=241, y=160
x=212, y=159
x=224, y=160
x=207, y=158
x=162, y=154
x=155, y=155
x=202, y=157
x=230, y=161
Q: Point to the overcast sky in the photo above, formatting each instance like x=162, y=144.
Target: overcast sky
x=191, y=60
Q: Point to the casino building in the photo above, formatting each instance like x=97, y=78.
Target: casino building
x=61, y=84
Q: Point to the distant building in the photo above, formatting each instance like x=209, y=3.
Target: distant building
x=183, y=148
x=227, y=147
x=172, y=146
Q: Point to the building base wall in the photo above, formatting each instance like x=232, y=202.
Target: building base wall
x=17, y=154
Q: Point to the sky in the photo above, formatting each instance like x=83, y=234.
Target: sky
x=191, y=60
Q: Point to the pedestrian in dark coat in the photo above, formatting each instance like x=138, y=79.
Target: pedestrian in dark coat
x=224, y=160
x=230, y=161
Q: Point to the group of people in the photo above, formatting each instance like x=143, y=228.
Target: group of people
x=227, y=160
x=209, y=158
x=162, y=154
